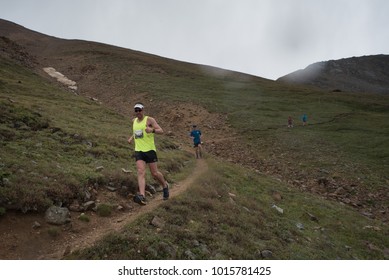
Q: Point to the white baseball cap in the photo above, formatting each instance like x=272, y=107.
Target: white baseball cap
x=138, y=105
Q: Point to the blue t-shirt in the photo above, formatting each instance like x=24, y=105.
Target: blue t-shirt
x=196, y=136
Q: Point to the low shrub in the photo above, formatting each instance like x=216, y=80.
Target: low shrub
x=84, y=218
x=104, y=210
x=53, y=232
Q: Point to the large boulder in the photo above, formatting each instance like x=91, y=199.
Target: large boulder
x=57, y=215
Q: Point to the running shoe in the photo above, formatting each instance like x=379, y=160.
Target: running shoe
x=166, y=192
x=140, y=199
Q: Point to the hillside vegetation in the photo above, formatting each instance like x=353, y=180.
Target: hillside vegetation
x=309, y=192
x=55, y=145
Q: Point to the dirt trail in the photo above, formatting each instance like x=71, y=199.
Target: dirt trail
x=17, y=242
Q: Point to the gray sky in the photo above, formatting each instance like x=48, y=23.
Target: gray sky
x=266, y=38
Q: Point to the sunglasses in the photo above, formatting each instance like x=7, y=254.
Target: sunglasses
x=138, y=110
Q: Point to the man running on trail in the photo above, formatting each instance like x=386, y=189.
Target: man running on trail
x=196, y=135
x=144, y=128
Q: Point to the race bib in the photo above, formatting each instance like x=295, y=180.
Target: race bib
x=138, y=134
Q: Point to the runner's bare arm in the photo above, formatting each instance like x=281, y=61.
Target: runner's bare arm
x=129, y=140
x=153, y=126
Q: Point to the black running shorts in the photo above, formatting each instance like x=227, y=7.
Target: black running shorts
x=148, y=157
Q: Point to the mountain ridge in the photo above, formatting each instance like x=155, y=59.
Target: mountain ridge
x=367, y=74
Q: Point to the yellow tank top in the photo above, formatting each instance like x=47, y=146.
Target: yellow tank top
x=144, y=142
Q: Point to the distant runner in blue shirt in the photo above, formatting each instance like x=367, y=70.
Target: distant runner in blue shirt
x=304, y=119
x=196, y=135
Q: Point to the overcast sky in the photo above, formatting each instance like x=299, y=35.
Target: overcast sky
x=266, y=38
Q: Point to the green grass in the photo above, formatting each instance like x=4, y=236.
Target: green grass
x=228, y=214
x=351, y=125
x=52, y=141
x=347, y=133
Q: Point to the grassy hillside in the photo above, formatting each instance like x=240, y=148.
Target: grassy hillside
x=344, y=128
x=325, y=172
x=329, y=177
x=229, y=214
x=344, y=144
x=53, y=143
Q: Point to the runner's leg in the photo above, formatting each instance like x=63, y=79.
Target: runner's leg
x=200, y=151
x=156, y=174
x=141, y=168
